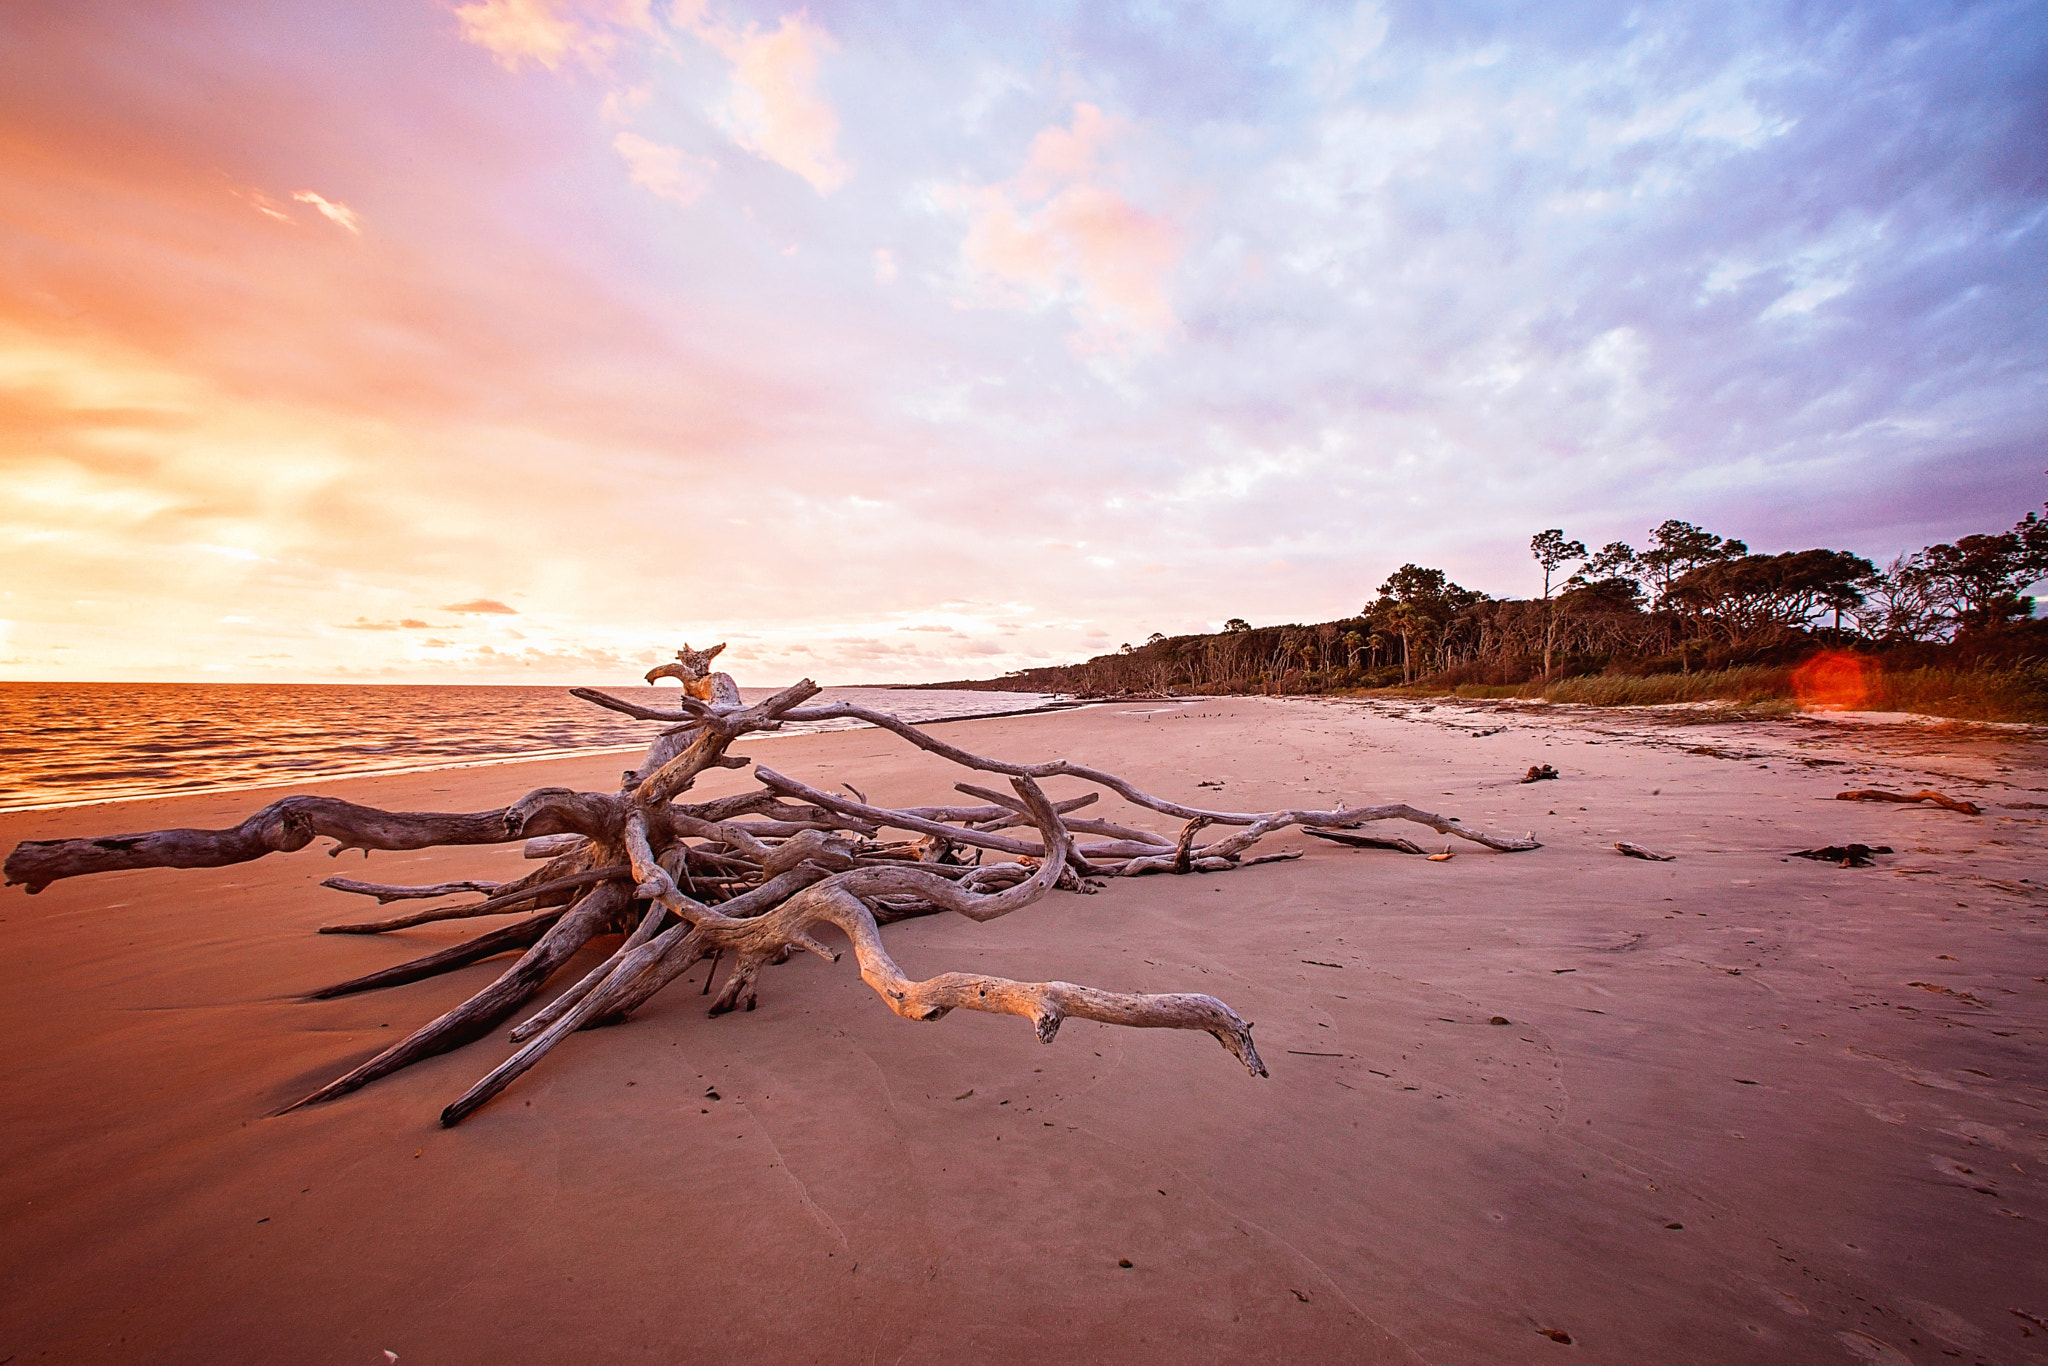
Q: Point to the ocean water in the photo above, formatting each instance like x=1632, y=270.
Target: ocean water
x=68, y=743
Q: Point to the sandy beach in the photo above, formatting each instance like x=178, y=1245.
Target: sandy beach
x=1543, y=1106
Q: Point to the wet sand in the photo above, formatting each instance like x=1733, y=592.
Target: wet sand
x=1743, y=1108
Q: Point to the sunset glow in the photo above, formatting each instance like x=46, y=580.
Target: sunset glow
x=521, y=340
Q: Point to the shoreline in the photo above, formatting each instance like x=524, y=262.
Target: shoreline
x=1735, y=1108
x=527, y=757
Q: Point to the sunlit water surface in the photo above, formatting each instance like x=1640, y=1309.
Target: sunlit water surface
x=64, y=743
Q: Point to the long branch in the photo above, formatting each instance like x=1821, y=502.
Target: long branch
x=521, y=935
x=1341, y=818
x=387, y=892
x=497, y=905
x=282, y=827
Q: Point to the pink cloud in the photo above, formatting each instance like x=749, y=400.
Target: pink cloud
x=775, y=110
x=668, y=172
x=772, y=109
x=1083, y=242
x=1063, y=154
x=515, y=31
x=545, y=31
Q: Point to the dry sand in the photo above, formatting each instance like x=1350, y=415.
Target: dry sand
x=1833, y=1079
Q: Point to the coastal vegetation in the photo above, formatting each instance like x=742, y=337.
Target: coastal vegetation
x=1692, y=617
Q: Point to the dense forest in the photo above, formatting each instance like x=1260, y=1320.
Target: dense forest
x=1691, y=601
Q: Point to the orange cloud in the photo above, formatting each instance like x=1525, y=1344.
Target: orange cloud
x=1059, y=232
x=340, y=214
x=482, y=605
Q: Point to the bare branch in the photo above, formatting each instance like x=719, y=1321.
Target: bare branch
x=519, y=936
x=389, y=892
x=281, y=827
x=513, y=900
x=1339, y=819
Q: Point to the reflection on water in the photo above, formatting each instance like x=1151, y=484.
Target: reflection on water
x=81, y=742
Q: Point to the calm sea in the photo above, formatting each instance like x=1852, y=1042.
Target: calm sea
x=65, y=743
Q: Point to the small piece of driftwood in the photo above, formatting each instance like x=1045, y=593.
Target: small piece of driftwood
x=1368, y=841
x=1539, y=773
x=1638, y=851
x=1848, y=855
x=1873, y=794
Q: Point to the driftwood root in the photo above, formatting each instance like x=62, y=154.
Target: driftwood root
x=744, y=882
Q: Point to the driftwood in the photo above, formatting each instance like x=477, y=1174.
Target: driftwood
x=1873, y=794
x=1394, y=842
x=1634, y=850
x=744, y=880
x=1847, y=855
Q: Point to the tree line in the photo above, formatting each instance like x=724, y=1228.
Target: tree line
x=1690, y=599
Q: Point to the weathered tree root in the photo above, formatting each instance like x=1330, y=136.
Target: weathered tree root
x=747, y=879
x=505, y=897
x=519, y=936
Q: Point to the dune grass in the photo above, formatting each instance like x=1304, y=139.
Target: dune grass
x=2012, y=694
x=1744, y=685
x=2019, y=694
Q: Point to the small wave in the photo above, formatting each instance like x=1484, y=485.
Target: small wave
x=77, y=744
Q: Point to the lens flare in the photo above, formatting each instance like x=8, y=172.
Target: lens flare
x=1833, y=680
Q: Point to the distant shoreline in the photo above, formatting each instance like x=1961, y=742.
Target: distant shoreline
x=450, y=765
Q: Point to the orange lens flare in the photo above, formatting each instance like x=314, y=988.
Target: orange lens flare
x=1833, y=681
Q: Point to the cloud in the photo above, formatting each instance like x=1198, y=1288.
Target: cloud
x=1061, y=232
x=340, y=214
x=774, y=109
x=1428, y=285
x=668, y=172
x=885, y=266
x=481, y=605
x=771, y=106
x=520, y=30
x=264, y=205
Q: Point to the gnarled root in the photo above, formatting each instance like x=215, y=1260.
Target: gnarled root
x=483, y=1012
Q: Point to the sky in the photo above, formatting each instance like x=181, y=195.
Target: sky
x=523, y=341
